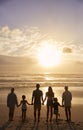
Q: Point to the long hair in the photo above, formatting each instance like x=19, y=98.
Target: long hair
x=50, y=92
x=50, y=89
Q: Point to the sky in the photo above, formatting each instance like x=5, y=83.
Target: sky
x=49, y=33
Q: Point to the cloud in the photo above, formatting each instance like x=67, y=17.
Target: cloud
x=26, y=42
x=19, y=42
x=16, y=60
x=67, y=50
x=79, y=62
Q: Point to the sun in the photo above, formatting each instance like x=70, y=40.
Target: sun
x=48, y=56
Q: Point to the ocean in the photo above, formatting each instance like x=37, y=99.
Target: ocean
x=25, y=84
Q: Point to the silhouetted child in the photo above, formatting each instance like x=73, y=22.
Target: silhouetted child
x=23, y=103
x=56, y=105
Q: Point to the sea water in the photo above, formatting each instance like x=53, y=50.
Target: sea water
x=25, y=84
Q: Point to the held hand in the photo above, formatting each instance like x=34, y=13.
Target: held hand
x=17, y=105
x=32, y=103
x=42, y=103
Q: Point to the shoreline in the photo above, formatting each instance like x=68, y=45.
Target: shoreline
x=17, y=124
x=77, y=119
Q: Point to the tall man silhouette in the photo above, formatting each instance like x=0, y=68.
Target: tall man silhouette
x=37, y=97
x=66, y=102
x=11, y=102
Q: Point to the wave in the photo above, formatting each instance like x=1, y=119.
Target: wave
x=29, y=80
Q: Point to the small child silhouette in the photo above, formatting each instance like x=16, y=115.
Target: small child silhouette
x=23, y=103
x=56, y=105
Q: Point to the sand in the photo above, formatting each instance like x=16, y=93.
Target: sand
x=17, y=124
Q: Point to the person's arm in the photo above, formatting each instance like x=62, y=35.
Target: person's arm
x=45, y=97
x=8, y=101
x=53, y=97
x=60, y=104
x=62, y=100
x=16, y=100
x=71, y=96
x=19, y=104
x=28, y=103
x=32, y=98
x=42, y=99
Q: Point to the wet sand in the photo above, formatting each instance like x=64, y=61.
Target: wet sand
x=17, y=124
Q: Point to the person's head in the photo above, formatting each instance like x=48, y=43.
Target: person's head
x=23, y=97
x=50, y=89
x=12, y=90
x=55, y=99
x=37, y=86
x=66, y=88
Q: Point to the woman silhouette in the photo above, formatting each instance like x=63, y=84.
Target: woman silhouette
x=49, y=96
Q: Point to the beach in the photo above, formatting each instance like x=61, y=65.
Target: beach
x=25, y=84
x=17, y=124
x=41, y=48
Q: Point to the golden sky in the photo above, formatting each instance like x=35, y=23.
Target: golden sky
x=49, y=34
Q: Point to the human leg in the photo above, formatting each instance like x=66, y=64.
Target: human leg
x=34, y=113
x=22, y=115
x=47, y=113
x=56, y=117
x=66, y=113
x=69, y=112
x=39, y=109
x=38, y=115
x=11, y=114
x=50, y=113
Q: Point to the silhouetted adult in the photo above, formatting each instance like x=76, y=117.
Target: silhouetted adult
x=66, y=102
x=11, y=102
x=49, y=96
x=37, y=97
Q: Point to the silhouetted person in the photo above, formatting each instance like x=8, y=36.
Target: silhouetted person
x=56, y=105
x=23, y=103
x=49, y=96
x=37, y=97
x=66, y=102
x=11, y=102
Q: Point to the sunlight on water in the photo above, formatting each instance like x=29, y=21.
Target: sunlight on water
x=25, y=84
x=48, y=78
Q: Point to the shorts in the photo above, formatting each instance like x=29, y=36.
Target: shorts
x=56, y=112
x=24, y=109
x=50, y=103
x=37, y=106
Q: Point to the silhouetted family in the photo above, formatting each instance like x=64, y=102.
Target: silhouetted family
x=37, y=101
